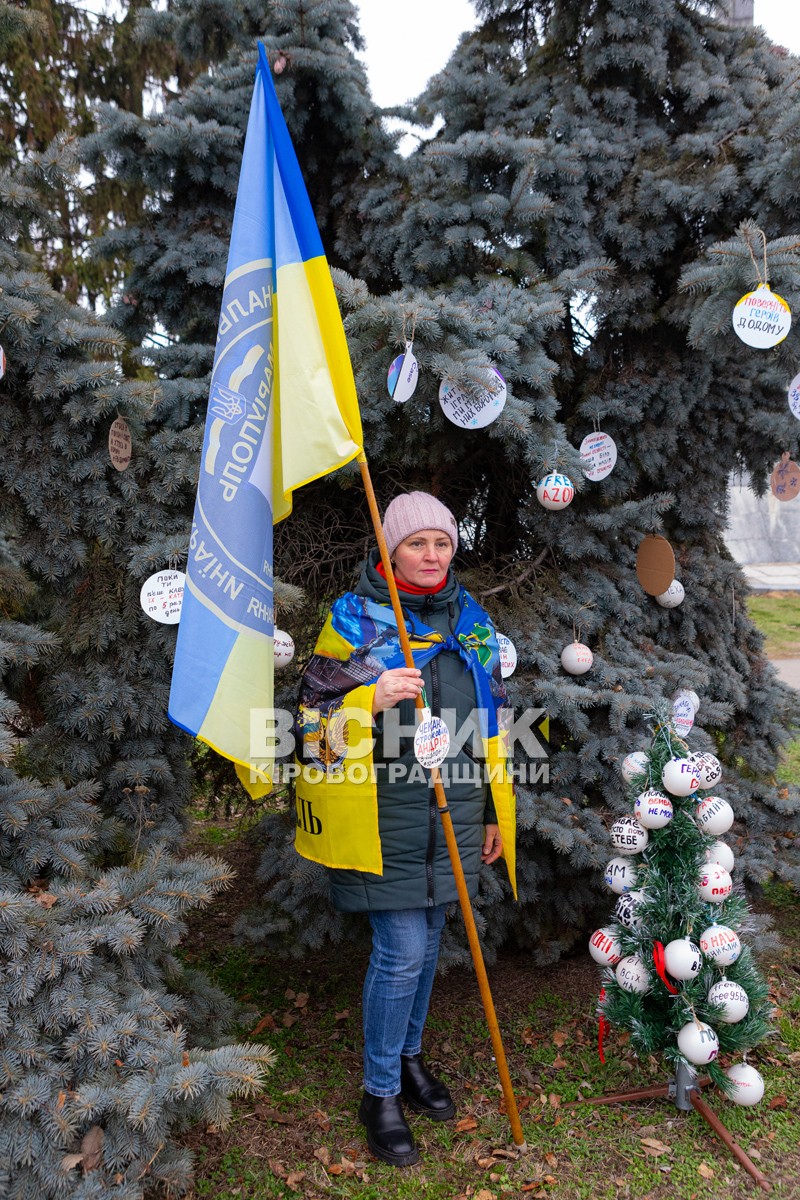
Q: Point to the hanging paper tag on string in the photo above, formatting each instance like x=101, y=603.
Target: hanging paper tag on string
x=682, y=714
x=403, y=374
x=431, y=741
x=784, y=481
x=762, y=318
x=508, y=655
x=2, y=362
x=793, y=396
x=161, y=596
x=119, y=444
x=473, y=409
x=598, y=456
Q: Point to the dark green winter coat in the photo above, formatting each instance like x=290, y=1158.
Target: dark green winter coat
x=416, y=863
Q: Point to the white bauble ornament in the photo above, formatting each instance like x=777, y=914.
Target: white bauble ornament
x=698, y=1043
x=733, y=998
x=604, y=947
x=714, y=815
x=576, y=659
x=161, y=596
x=715, y=884
x=283, y=645
x=673, y=596
x=748, y=1084
x=626, y=909
x=708, y=768
x=653, y=809
x=720, y=944
x=555, y=491
x=679, y=777
x=628, y=836
x=620, y=875
x=508, y=655
x=683, y=712
x=721, y=853
x=632, y=974
x=682, y=959
x=762, y=318
x=633, y=765
x=693, y=697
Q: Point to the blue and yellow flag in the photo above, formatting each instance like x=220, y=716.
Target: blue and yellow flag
x=282, y=411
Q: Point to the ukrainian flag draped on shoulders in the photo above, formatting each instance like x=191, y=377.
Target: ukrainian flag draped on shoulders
x=337, y=801
x=282, y=411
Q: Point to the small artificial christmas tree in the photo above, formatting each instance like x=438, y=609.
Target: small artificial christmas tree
x=678, y=975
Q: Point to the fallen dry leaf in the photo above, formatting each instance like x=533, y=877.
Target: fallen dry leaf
x=483, y=1194
x=342, y=1016
x=301, y=1000
x=704, y=1170
x=551, y=1160
x=623, y=1037
x=46, y=899
x=654, y=1146
x=466, y=1125
x=335, y=1169
x=555, y=1101
x=531, y=1187
x=484, y=1163
x=277, y=1168
x=265, y=1113
x=560, y=1038
x=267, y=1022
x=323, y=1154
x=295, y=1179
x=559, y=1063
x=288, y=1019
x=69, y=1161
x=290, y=994
x=348, y=1166
x=323, y=1120
x=777, y=1102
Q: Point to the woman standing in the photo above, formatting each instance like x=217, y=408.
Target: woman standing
x=394, y=864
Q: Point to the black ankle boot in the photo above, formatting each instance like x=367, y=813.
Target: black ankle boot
x=423, y=1092
x=388, y=1134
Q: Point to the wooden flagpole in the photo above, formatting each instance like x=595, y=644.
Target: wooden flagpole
x=449, y=832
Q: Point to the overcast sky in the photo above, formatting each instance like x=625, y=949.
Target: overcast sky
x=408, y=43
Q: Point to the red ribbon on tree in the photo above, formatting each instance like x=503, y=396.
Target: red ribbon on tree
x=661, y=970
x=603, y=1027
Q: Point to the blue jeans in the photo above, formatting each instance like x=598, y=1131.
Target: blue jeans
x=397, y=990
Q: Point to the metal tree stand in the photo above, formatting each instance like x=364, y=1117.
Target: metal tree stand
x=684, y=1090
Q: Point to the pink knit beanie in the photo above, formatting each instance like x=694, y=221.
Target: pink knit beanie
x=413, y=511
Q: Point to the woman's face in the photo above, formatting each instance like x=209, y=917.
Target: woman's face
x=423, y=558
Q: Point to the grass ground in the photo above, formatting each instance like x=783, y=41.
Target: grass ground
x=777, y=615
x=302, y=1138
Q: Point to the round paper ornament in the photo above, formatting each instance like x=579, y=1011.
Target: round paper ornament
x=632, y=974
x=625, y=910
x=721, y=945
x=473, y=409
x=633, y=765
x=682, y=959
x=119, y=443
x=733, y=998
x=555, y=491
x=693, y=697
x=598, y=456
x=708, y=768
x=679, y=777
x=683, y=716
x=620, y=875
x=628, y=836
x=784, y=481
x=283, y=647
x=403, y=375
x=161, y=596
x=698, y=1043
x=748, y=1084
x=762, y=318
x=431, y=741
x=2, y=362
x=714, y=815
x=655, y=564
x=794, y=397
x=652, y=809
x=576, y=659
x=604, y=947
x=721, y=853
x=508, y=655
x=673, y=596
x=715, y=884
